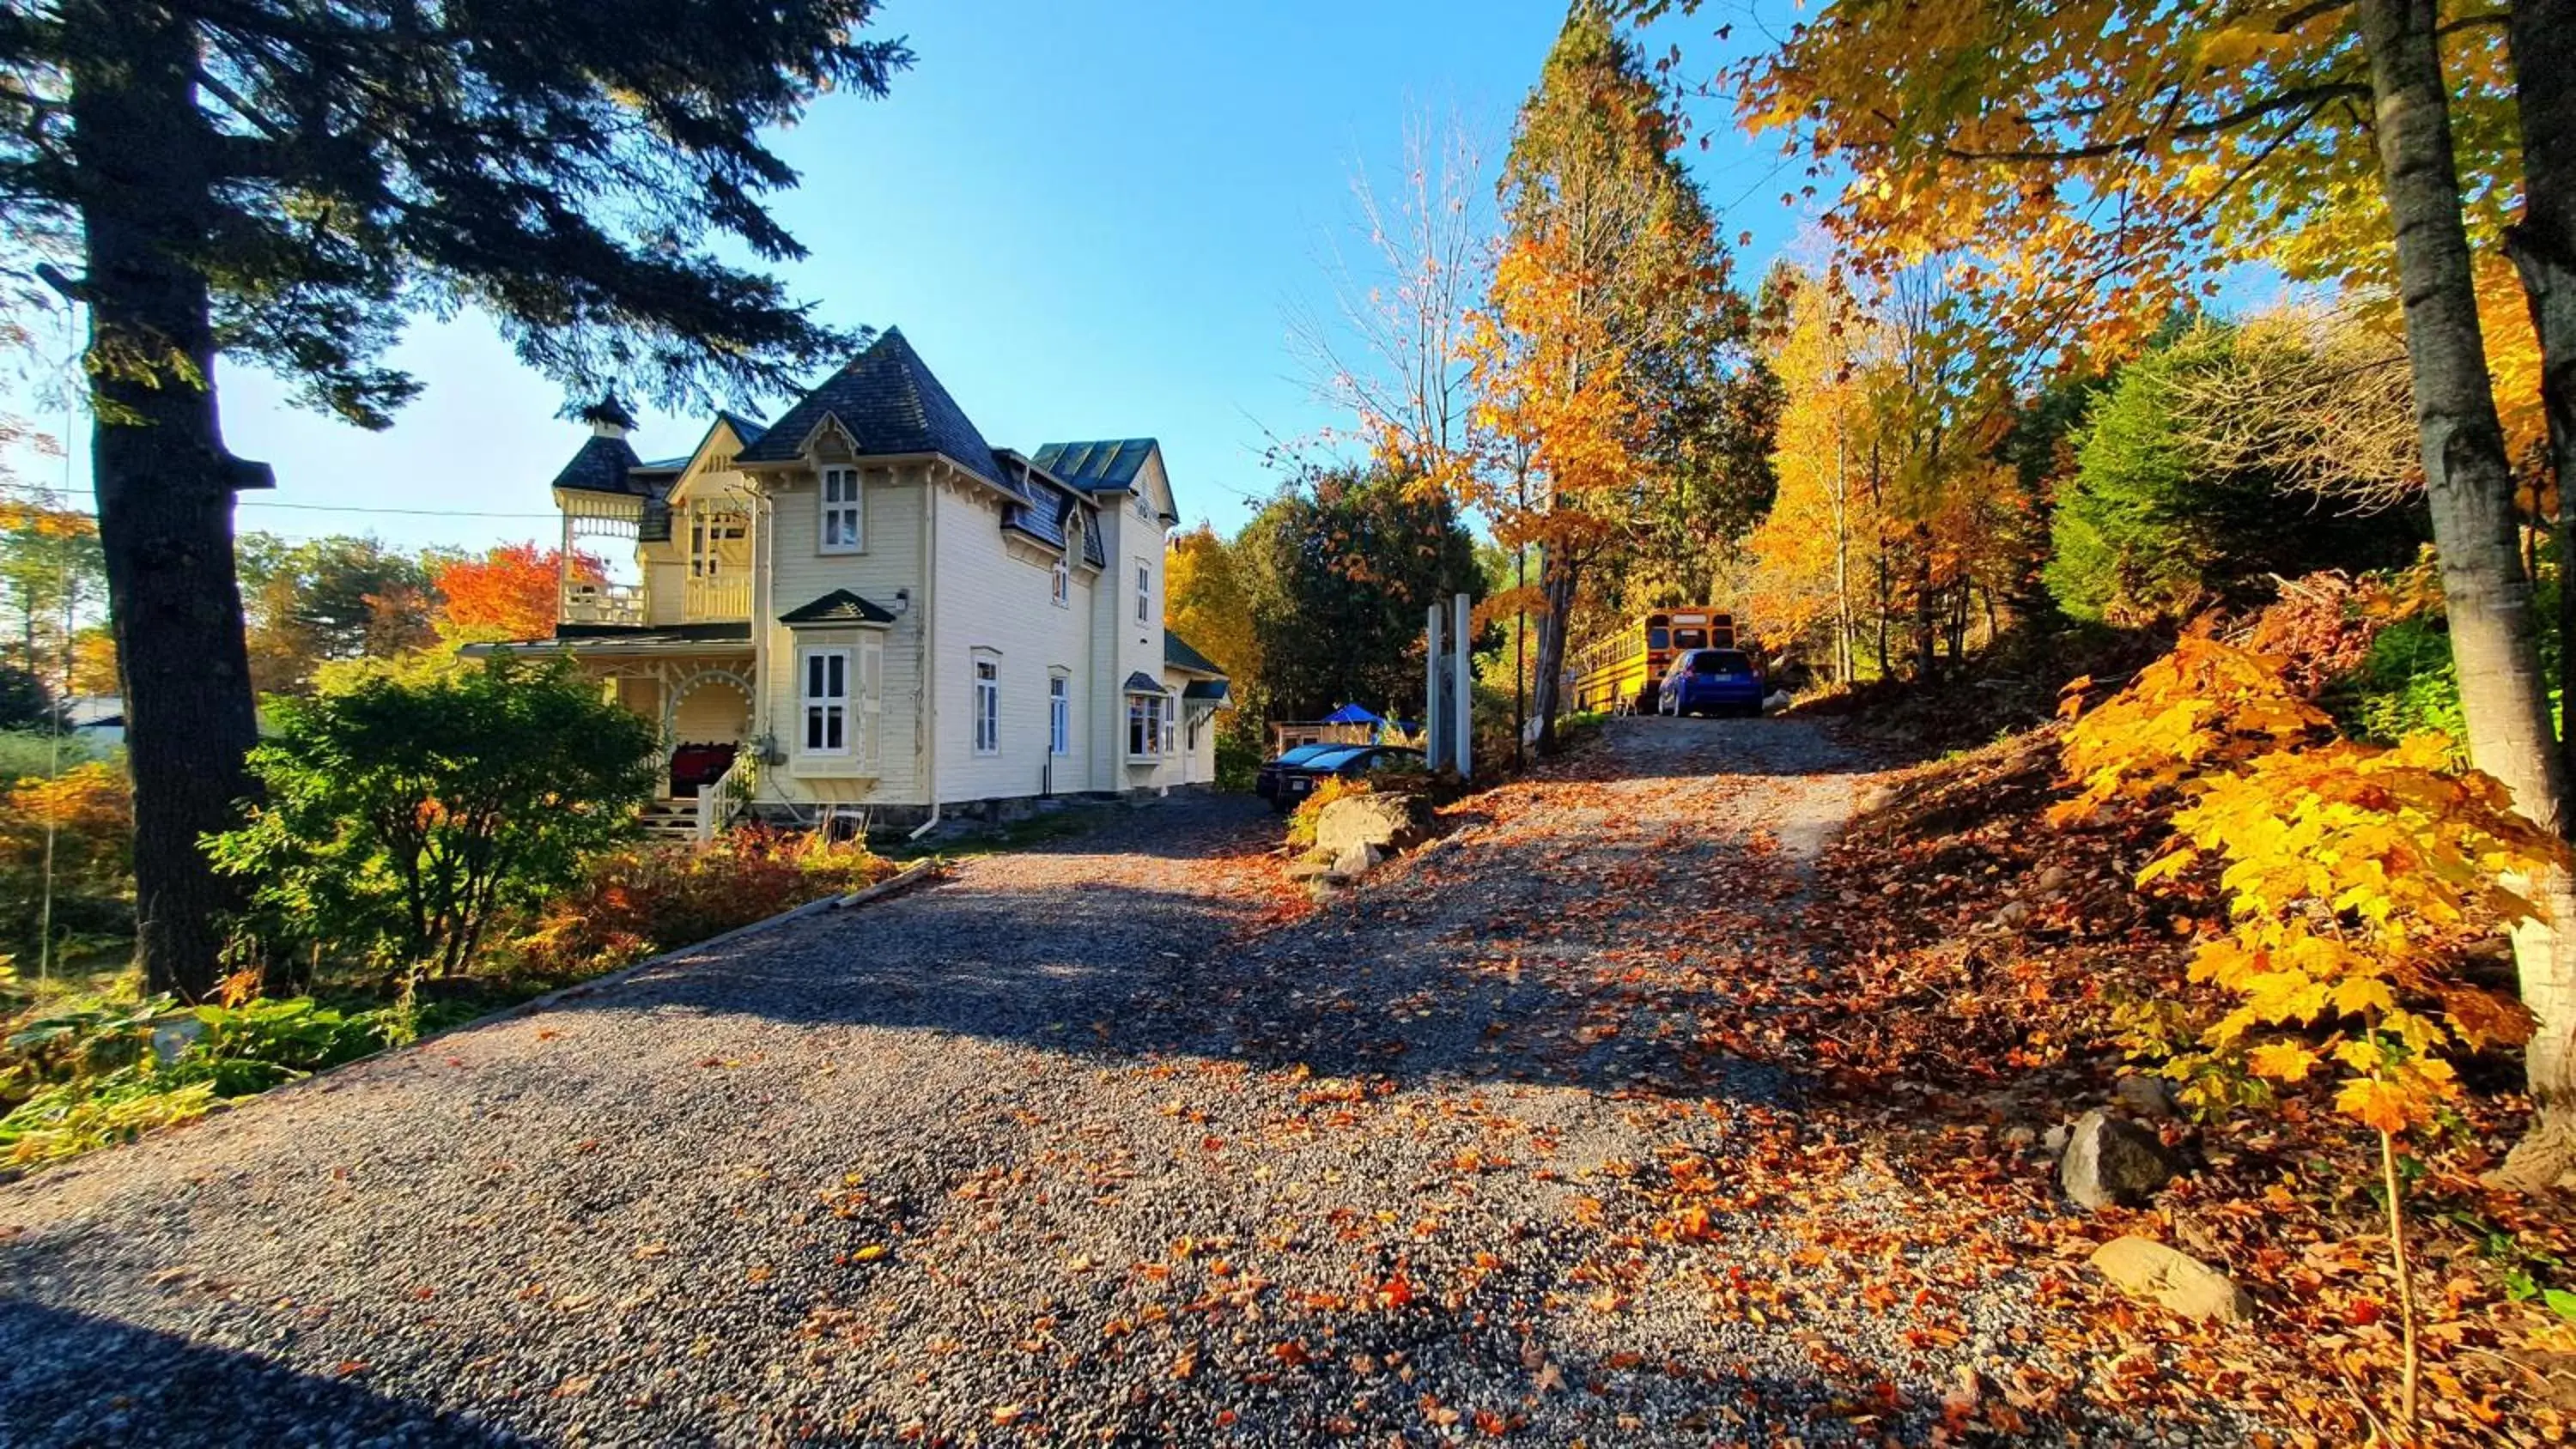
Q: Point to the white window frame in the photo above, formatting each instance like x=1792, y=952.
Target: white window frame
x=1156, y=714
x=1144, y=592
x=817, y=705
x=1059, y=714
x=987, y=676
x=1062, y=584
x=841, y=499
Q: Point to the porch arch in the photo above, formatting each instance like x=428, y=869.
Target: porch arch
x=687, y=684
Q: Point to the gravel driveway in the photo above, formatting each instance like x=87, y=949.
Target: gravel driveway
x=1105, y=1141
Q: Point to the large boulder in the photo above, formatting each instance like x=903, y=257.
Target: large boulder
x=2109, y=1160
x=1386, y=820
x=2144, y=1268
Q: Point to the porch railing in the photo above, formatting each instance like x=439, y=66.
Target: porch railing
x=722, y=597
x=718, y=798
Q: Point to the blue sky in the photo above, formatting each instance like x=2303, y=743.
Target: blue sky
x=1093, y=220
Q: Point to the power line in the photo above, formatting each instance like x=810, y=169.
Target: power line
x=411, y=512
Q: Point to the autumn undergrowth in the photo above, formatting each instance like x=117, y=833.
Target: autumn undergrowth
x=2031, y=967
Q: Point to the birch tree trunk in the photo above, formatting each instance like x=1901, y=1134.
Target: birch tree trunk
x=2494, y=634
x=2543, y=245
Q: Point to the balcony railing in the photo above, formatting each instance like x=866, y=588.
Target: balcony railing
x=722, y=597
x=585, y=602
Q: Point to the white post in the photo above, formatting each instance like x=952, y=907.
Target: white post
x=1431, y=690
x=1463, y=701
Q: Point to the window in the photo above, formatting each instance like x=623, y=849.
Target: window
x=1059, y=715
x=1063, y=585
x=826, y=702
x=1149, y=725
x=1144, y=593
x=844, y=528
x=988, y=706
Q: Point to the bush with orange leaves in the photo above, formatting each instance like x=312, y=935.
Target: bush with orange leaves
x=89, y=810
x=633, y=903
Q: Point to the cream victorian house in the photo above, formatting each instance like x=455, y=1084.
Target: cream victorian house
x=864, y=608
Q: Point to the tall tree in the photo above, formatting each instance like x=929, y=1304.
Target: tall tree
x=1208, y=601
x=1341, y=569
x=328, y=598
x=282, y=182
x=1610, y=335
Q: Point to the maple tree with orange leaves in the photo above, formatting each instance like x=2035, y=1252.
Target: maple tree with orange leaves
x=514, y=591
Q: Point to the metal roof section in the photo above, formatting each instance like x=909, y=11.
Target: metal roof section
x=1101, y=467
x=1177, y=654
x=1142, y=683
x=626, y=639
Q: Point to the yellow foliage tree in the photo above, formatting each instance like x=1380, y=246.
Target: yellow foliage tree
x=1207, y=601
x=2356, y=876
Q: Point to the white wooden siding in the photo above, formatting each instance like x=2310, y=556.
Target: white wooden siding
x=997, y=595
x=800, y=573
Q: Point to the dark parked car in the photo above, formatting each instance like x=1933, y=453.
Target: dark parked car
x=1712, y=681
x=1287, y=780
x=1266, y=784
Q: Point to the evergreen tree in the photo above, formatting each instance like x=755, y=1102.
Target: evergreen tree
x=1341, y=571
x=282, y=182
x=1615, y=293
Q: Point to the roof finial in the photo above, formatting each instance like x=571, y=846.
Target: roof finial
x=608, y=417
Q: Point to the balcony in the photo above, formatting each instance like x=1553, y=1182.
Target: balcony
x=587, y=601
x=723, y=596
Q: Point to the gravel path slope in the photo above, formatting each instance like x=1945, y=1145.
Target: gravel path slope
x=1091, y=1142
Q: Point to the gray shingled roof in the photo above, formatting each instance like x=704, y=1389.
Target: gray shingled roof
x=601, y=467
x=1105, y=467
x=1049, y=503
x=838, y=607
x=890, y=404
x=1142, y=683
x=1179, y=655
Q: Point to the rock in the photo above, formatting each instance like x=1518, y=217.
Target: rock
x=1310, y=865
x=2111, y=1161
x=2147, y=1096
x=1357, y=859
x=2053, y=1141
x=2144, y=1268
x=2019, y=1138
x=1385, y=819
x=2051, y=878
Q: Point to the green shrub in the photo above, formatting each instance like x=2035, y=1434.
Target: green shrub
x=2149, y=533
x=405, y=814
x=1238, y=763
x=86, y=1075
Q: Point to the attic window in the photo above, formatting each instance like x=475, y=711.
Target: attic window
x=843, y=522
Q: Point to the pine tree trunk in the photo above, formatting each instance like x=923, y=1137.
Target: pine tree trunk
x=165, y=484
x=2543, y=245
x=2494, y=634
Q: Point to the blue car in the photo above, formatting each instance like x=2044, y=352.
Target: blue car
x=1711, y=681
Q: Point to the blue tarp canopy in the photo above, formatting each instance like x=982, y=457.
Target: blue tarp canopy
x=1352, y=714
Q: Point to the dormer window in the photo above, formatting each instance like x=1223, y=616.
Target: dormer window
x=844, y=520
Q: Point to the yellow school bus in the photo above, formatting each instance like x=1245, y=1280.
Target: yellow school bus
x=1620, y=671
